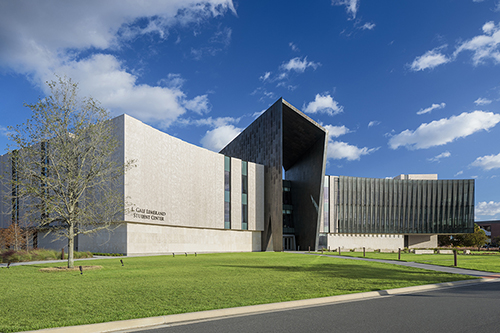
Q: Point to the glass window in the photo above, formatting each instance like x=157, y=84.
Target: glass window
x=227, y=192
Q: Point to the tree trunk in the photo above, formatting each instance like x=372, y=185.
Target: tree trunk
x=71, y=241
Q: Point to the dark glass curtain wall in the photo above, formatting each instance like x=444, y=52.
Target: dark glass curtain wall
x=390, y=206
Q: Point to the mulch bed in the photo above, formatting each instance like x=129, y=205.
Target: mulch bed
x=66, y=269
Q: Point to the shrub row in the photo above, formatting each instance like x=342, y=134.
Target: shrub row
x=37, y=255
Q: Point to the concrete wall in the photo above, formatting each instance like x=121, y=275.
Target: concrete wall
x=177, y=195
x=149, y=239
x=370, y=241
x=424, y=241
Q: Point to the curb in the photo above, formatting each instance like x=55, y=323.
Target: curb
x=184, y=318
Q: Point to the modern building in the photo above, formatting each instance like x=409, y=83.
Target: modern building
x=265, y=191
x=492, y=230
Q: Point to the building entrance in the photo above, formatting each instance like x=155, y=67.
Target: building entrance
x=289, y=243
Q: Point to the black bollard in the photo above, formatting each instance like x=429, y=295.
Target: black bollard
x=363, y=251
x=339, y=250
x=81, y=270
x=195, y=254
x=399, y=253
x=121, y=261
x=455, y=257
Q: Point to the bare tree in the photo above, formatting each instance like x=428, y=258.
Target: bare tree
x=68, y=177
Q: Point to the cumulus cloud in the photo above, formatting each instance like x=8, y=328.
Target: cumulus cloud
x=41, y=38
x=484, y=47
x=339, y=150
x=487, y=162
x=299, y=65
x=336, y=131
x=429, y=59
x=438, y=158
x=323, y=104
x=219, y=137
x=482, y=101
x=351, y=6
x=223, y=130
x=443, y=131
x=487, y=208
x=430, y=108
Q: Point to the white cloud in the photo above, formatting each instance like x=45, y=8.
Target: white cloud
x=437, y=158
x=440, y=132
x=487, y=208
x=429, y=59
x=293, y=47
x=257, y=114
x=373, y=123
x=104, y=78
x=487, y=162
x=458, y=173
x=323, y=104
x=265, y=76
x=339, y=150
x=351, y=6
x=298, y=65
x=46, y=37
x=219, y=137
x=212, y=122
x=432, y=107
x=368, y=26
x=484, y=46
x=336, y=131
x=482, y=101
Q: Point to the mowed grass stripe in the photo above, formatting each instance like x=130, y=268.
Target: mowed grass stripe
x=162, y=285
x=480, y=262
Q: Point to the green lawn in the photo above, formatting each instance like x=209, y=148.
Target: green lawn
x=160, y=285
x=488, y=263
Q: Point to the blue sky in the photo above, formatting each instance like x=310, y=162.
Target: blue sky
x=402, y=86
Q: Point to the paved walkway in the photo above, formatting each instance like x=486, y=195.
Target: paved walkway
x=454, y=270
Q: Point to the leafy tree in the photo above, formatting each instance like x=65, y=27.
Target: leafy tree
x=476, y=239
x=68, y=168
x=445, y=240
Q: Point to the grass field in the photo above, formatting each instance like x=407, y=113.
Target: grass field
x=488, y=263
x=160, y=285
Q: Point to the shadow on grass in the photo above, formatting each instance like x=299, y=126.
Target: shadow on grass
x=352, y=271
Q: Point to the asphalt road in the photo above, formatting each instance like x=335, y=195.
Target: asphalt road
x=472, y=308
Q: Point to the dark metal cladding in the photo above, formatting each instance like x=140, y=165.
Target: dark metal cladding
x=285, y=138
x=393, y=206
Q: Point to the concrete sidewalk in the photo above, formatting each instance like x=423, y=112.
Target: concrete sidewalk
x=453, y=270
